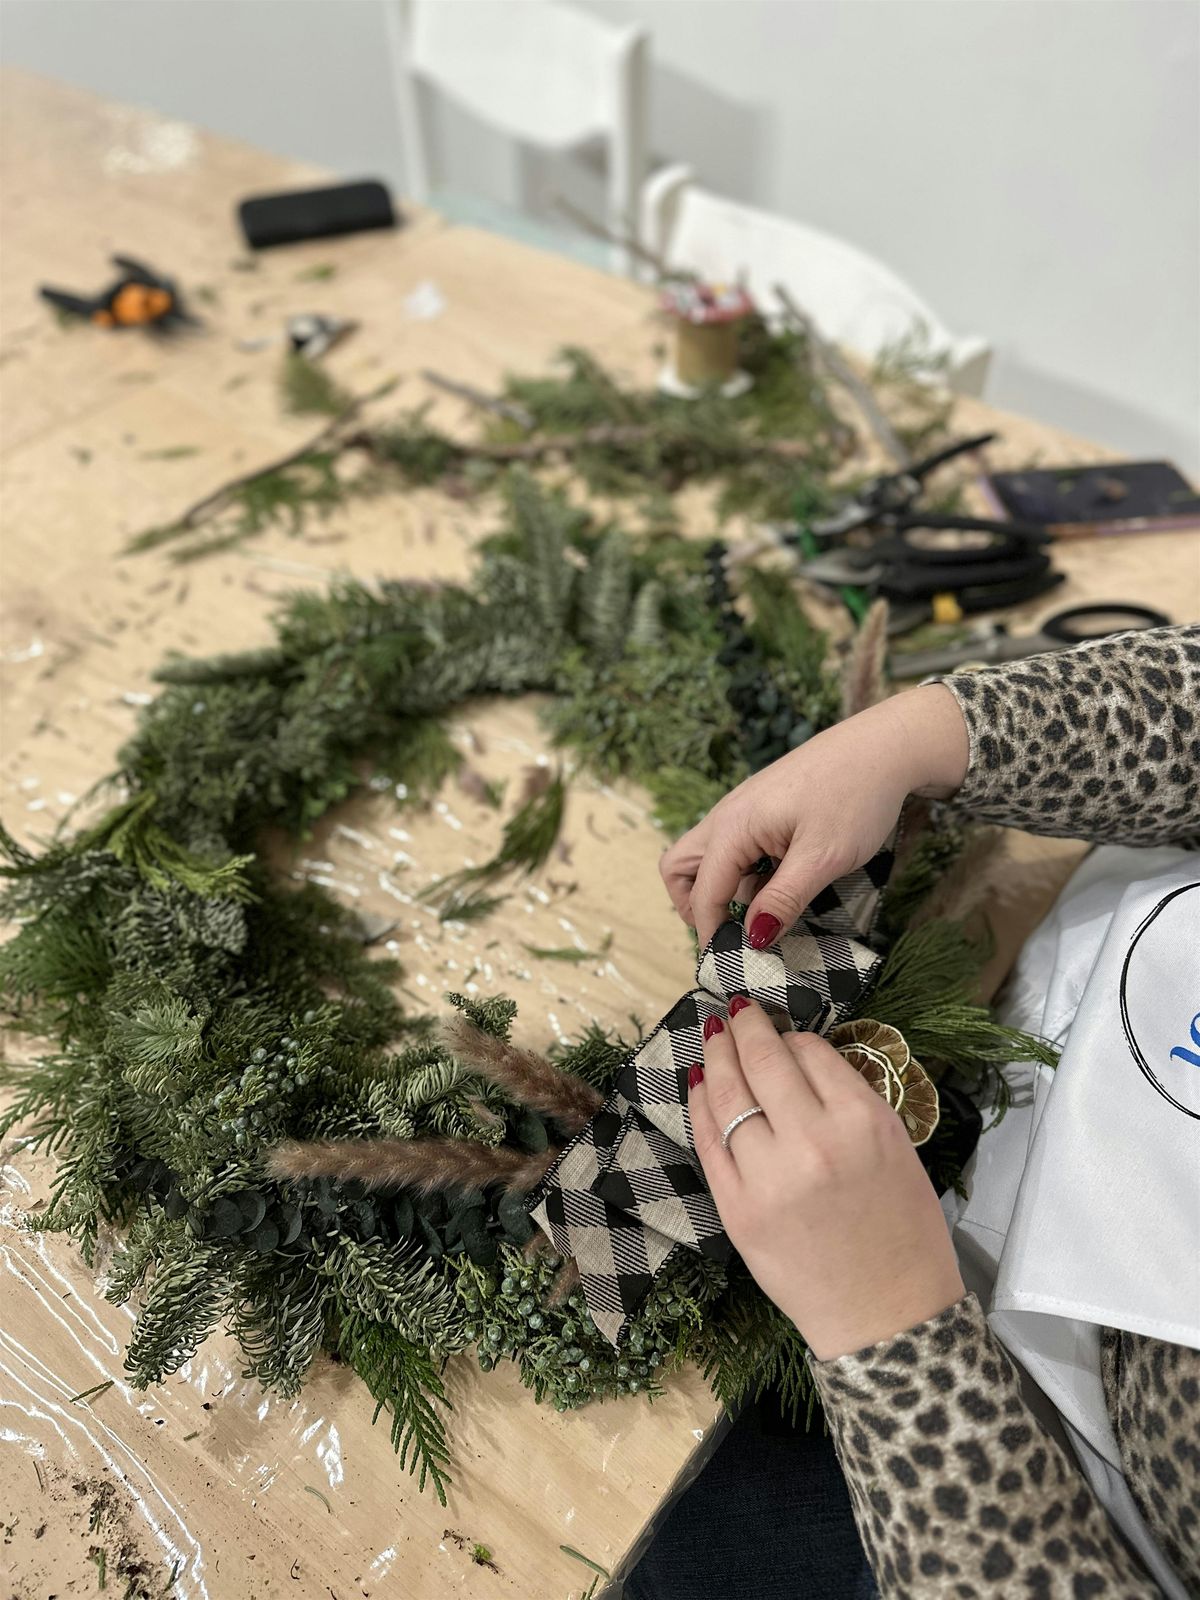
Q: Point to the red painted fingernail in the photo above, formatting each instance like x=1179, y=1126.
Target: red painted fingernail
x=764, y=930
x=695, y=1074
x=713, y=1025
x=738, y=1003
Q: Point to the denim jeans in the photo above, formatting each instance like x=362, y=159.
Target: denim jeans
x=769, y=1518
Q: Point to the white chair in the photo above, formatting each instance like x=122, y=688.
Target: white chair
x=543, y=74
x=854, y=300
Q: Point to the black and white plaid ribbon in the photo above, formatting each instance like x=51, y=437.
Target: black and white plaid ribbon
x=628, y=1191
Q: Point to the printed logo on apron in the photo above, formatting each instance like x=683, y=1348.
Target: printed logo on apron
x=1162, y=1028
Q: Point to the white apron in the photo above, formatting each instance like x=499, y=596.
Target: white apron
x=1084, y=1208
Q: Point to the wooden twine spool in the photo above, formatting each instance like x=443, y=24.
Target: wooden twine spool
x=706, y=321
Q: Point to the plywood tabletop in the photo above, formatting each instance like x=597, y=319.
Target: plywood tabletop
x=236, y=1493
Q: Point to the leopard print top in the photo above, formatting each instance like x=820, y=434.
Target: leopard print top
x=957, y=1489
x=1101, y=742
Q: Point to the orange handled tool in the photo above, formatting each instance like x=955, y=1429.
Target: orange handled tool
x=140, y=298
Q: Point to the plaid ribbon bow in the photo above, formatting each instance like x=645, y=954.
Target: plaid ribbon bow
x=628, y=1191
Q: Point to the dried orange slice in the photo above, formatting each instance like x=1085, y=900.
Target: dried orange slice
x=879, y=1053
x=876, y=1071
x=921, y=1108
x=880, y=1036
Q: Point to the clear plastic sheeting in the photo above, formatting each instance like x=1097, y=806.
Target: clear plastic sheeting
x=239, y=1493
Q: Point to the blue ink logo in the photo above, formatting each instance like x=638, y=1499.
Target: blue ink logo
x=1192, y=1056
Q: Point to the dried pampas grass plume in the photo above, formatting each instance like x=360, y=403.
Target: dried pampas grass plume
x=525, y=1076
x=863, y=682
x=425, y=1165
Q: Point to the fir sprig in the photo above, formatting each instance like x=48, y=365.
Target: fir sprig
x=529, y=836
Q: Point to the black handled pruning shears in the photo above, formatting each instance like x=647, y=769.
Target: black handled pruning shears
x=140, y=298
x=935, y=564
x=887, y=501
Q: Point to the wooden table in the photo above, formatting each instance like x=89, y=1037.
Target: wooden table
x=106, y=434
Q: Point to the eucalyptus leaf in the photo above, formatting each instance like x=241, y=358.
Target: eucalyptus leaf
x=224, y=1219
x=530, y=1132
x=289, y=1221
x=265, y=1238
x=254, y=1209
x=432, y=1240
x=514, y=1218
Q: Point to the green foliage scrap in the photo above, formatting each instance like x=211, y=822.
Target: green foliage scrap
x=763, y=450
x=307, y=388
x=690, y=441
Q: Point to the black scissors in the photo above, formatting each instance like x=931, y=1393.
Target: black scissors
x=887, y=501
x=917, y=561
x=992, y=642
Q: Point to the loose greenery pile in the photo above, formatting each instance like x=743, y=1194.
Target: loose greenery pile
x=762, y=449
x=201, y=1012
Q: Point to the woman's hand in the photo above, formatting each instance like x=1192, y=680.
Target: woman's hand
x=820, y=811
x=823, y=1194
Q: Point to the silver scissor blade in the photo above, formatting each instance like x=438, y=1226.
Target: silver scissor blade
x=987, y=651
x=838, y=569
x=848, y=520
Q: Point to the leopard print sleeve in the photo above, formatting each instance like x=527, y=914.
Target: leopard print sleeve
x=1100, y=742
x=957, y=1490
x=1153, y=1394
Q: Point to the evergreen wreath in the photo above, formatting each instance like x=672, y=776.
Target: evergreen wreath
x=201, y=1013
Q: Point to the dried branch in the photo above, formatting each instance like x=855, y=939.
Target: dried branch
x=599, y=230
x=218, y=498
x=840, y=369
x=614, y=435
x=509, y=409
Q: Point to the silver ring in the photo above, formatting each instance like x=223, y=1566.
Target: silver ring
x=742, y=1116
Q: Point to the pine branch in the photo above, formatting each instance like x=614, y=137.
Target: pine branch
x=397, y=1287
x=308, y=387
x=529, y=836
x=646, y=630
x=403, y=1380
x=219, y=499
x=181, y=1308
x=606, y=597
x=130, y=833
x=927, y=989
x=279, y=1322
x=603, y=436
x=476, y=397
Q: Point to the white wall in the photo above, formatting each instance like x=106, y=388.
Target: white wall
x=1033, y=166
